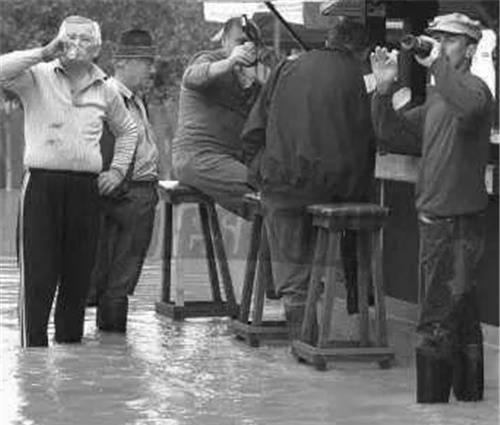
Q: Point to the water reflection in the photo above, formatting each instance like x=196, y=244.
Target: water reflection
x=196, y=373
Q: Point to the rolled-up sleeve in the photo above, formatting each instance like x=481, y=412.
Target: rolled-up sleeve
x=466, y=94
x=15, y=69
x=197, y=73
x=125, y=131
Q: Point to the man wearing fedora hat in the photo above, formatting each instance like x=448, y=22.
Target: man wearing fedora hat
x=127, y=214
x=452, y=128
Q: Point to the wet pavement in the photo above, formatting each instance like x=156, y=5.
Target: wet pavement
x=166, y=373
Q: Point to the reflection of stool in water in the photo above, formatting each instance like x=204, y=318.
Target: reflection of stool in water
x=330, y=220
x=256, y=329
x=172, y=193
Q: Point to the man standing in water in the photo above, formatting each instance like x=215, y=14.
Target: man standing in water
x=66, y=99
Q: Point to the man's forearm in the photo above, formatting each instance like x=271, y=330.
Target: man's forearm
x=15, y=63
x=202, y=74
x=125, y=145
x=464, y=93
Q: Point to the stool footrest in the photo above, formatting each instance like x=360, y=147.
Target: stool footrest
x=319, y=357
x=194, y=309
x=270, y=331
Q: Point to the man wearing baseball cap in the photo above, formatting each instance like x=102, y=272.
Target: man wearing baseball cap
x=452, y=128
x=127, y=214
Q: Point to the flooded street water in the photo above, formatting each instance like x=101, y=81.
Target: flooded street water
x=166, y=373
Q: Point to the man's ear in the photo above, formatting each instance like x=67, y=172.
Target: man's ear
x=470, y=51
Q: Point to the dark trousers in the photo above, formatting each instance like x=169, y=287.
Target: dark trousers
x=126, y=227
x=219, y=175
x=450, y=251
x=57, y=231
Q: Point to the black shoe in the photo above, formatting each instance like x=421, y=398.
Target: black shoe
x=468, y=373
x=434, y=376
x=112, y=314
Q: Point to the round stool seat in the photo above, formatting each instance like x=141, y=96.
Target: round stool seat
x=175, y=192
x=251, y=205
x=348, y=215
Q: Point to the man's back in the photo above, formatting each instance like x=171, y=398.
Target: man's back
x=319, y=132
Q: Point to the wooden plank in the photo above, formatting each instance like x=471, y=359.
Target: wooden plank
x=343, y=353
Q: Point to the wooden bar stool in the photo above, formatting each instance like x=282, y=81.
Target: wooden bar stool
x=330, y=220
x=258, y=262
x=173, y=193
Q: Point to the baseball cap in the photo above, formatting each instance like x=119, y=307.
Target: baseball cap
x=456, y=23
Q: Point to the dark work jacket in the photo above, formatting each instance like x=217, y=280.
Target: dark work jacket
x=311, y=128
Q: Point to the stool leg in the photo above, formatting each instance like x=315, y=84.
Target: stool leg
x=167, y=254
x=177, y=263
x=364, y=268
x=377, y=273
x=209, y=248
x=330, y=282
x=260, y=289
x=265, y=266
x=248, y=283
x=314, y=287
x=220, y=252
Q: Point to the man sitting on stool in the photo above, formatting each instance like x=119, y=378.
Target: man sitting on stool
x=127, y=216
x=218, y=90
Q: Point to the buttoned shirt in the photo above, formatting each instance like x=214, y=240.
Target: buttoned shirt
x=62, y=124
x=146, y=156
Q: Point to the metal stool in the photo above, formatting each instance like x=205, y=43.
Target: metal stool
x=256, y=330
x=172, y=193
x=329, y=220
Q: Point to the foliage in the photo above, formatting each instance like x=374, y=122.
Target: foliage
x=177, y=27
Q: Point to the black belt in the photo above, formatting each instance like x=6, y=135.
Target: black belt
x=90, y=174
x=143, y=183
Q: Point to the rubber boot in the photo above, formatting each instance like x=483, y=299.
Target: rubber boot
x=468, y=373
x=434, y=376
x=112, y=314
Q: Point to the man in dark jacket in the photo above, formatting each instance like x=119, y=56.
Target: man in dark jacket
x=310, y=138
x=452, y=128
x=127, y=216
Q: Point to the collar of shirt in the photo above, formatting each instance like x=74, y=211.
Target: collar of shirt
x=121, y=88
x=97, y=74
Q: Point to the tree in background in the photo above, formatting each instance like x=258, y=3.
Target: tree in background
x=179, y=31
x=177, y=26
